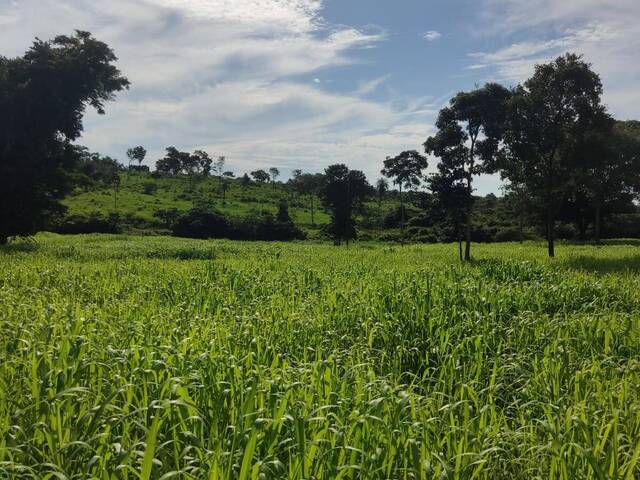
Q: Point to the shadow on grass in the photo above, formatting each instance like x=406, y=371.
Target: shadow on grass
x=629, y=263
x=19, y=247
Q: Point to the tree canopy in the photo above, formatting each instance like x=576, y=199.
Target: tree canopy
x=43, y=98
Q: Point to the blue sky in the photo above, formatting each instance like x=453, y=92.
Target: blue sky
x=306, y=83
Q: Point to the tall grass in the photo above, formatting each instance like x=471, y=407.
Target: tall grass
x=132, y=358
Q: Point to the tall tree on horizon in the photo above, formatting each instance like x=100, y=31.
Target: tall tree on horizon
x=43, y=98
x=468, y=138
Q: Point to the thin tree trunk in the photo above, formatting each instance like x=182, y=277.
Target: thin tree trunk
x=467, y=249
x=520, y=224
x=312, y=212
x=401, y=215
x=598, y=221
x=550, y=232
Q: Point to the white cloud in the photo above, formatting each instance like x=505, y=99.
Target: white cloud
x=230, y=76
x=431, y=35
x=606, y=32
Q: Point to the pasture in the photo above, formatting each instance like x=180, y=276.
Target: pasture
x=155, y=358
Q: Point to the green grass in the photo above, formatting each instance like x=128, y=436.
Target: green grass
x=127, y=357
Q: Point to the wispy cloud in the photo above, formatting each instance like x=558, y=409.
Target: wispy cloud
x=606, y=32
x=431, y=35
x=230, y=76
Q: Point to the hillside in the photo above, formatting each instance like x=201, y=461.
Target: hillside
x=140, y=196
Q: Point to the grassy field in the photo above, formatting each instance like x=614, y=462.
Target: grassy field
x=138, y=358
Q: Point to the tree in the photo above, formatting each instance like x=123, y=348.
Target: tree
x=260, y=176
x=172, y=163
x=203, y=162
x=43, y=98
x=136, y=154
x=308, y=184
x=610, y=165
x=469, y=134
x=218, y=167
x=275, y=173
x=548, y=117
x=382, y=187
x=246, y=181
x=451, y=197
x=406, y=171
x=225, y=185
x=342, y=190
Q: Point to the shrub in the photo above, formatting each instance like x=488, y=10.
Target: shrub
x=93, y=223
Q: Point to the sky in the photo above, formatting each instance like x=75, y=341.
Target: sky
x=308, y=83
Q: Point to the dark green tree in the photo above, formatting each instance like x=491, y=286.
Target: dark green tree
x=136, y=154
x=469, y=133
x=43, y=98
x=260, y=176
x=549, y=117
x=341, y=192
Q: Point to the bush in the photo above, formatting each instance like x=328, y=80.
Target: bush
x=212, y=224
x=94, y=223
x=149, y=188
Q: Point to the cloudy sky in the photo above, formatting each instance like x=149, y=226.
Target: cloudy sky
x=307, y=83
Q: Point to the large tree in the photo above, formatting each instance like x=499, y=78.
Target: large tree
x=469, y=133
x=549, y=116
x=610, y=166
x=406, y=171
x=43, y=98
x=341, y=192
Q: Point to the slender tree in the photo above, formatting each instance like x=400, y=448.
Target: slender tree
x=382, y=187
x=406, y=171
x=469, y=133
x=275, y=173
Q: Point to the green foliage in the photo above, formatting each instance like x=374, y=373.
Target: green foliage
x=43, y=98
x=127, y=357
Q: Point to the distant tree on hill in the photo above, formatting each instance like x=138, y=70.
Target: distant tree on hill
x=469, y=133
x=260, y=176
x=341, y=192
x=275, y=173
x=43, y=98
x=308, y=184
x=246, y=181
x=406, y=171
x=203, y=162
x=382, y=187
x=172, y=163
x=136, y=154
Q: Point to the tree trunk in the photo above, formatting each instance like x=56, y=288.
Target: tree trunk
x=550, y=232
x=401, y=216
x=312, y=211
x=467, y=248
x=460, y=247
x=520, y=224
x=598, y=222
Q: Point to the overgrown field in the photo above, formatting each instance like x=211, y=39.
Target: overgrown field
x=128, y=357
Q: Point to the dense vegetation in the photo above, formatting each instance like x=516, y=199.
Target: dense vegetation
x=126, y=357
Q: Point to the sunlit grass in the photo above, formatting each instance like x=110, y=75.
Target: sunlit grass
x=125, y=358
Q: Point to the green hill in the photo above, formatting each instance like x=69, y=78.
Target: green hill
x=140, y=196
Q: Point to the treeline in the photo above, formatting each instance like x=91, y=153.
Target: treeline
x=564, y=160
